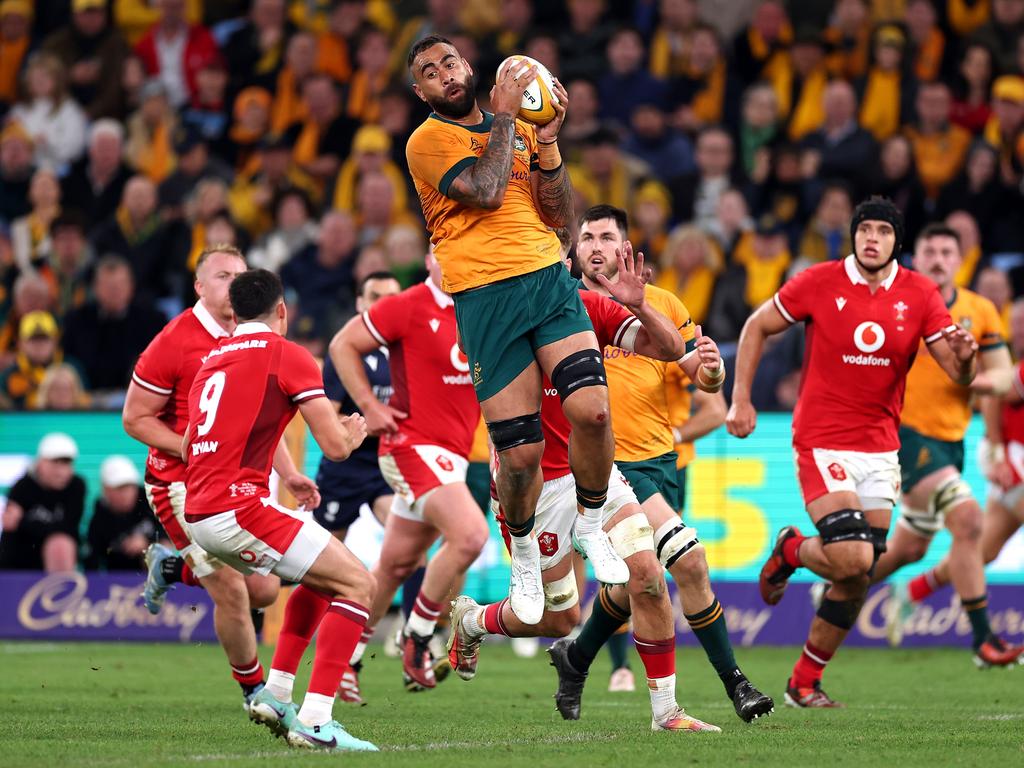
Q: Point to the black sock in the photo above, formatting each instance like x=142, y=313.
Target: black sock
x=248, y=690
x=520, y=529
x=257, y=619
x=977, y=614
x=618, y=649
x=605, y=619
x=710, y=628
x=170, y=569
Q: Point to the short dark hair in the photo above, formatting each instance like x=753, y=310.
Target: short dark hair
x=69, y=219
x=380, y=274
x=113, y=262
x=938, y=229
x=423, y=43
x=600, y=212
x=255, y=293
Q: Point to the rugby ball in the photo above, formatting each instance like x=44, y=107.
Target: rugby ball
x=539, y=98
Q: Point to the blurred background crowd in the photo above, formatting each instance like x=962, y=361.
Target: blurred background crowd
x=737, y=134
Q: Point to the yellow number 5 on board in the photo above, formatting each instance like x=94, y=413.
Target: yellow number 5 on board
x=744, y=524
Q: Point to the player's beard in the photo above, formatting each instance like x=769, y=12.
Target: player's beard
x=460, y=106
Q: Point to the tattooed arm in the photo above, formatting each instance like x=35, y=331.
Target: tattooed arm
x=553, y=193
x=483, y=184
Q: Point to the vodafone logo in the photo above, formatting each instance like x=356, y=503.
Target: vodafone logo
x=459, y=360
x=869, y=337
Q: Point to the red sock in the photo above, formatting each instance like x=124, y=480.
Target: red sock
x=424, y=614
x=492, y=619
x=250, y=673
x=658, y=656
x=809, y=667
x=189, y=578
x=302, y=615
x=921, y=586
x=791, y=550
x=339, y=632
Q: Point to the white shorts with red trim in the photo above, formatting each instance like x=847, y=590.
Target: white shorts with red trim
x=556, y=514
x=414, y=471
x=168, y=503
x=873, y=476
x=263, y=538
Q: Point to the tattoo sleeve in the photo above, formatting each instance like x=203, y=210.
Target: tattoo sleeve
x=483, y=185
x=554, y=194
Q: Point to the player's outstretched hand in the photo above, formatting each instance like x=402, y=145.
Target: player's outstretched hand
x=741, y=419
x=303, y=489
x=961, y=342
x=382, y=419
x=633, y=276
x=549, y=131
x=707, y=351
x=354, y=427
x=507, y=93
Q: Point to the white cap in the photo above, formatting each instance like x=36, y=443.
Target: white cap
x=116, y=471
x=57, y=445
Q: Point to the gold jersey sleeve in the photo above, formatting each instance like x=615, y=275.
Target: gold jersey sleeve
x=933, y=405
x=641, y=419
x=475, y=246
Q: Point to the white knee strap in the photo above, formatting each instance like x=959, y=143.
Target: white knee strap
x=632, y=535
x=561, y=595
x=673, y=540
x=949, y=494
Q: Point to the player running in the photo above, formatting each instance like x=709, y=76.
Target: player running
x=492, y=188
x=936, y=414
x=242, y=398
x=641, y=330
x=426, y=431
x=645, y=454
x=155, y=413
x=865, y=318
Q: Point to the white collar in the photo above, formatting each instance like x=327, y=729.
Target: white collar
x=244, y=329
x=206, y=320
x=857, y=278
x=441, y=298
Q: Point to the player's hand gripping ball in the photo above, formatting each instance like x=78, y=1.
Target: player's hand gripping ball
x=539, y=98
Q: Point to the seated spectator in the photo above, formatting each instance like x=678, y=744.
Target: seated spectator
x=396, y=118
x=151, y=130
x=122, y=524
x=994, y=284
x=667, y=152
x=827, y=236
x=648, y=230
x=670, y=45
x=544, y=48
x=68, y=263
x=849, y=39
x=250, y=126
x=886, y=92
x=689, y=267
x=900, y=183
x=841, y=148
x=764, y=45
x=15, y=40
x=927, y=41
x=107, y=335
x=939, y=145
x=207, y=113
x=44, y=508
x=730, y=223
x=295, y=230
x=205, y=201
x=972, y=85
x=30, y=293
x=318, y=280
x=583, y=44
x=707, y=93
x=371, y=77
x=581, y=121
x=16, y=169
x=604, y=173
x=273, y=171
x=51, y=116
x=173, y=50
x=95, y=183
x=136, y=233
x=1005, y=129
x=978, y=189
x=255, y=51
x=37, y=350
x=626, y=82
x=325, y=137
x=371, y=153
x=61, y=390
x=375, y=210
x=510, y=34
x=372, y=260
x=800, y=87
x=30, y=234
x=133, y=81
x=695, y=195
x=93, y=53
x=335, y=46
x=135, y=17
x=405, y=249
x=1002, y=30
x=299, y=63
x=974, y=260
x=758, y=129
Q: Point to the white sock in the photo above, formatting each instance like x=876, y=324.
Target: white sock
x=522, y=544
x=663, y=696
x=421, y=625
x=317, y=709
x=360, y=649
x=588, y=521
x=280, y=684
x=473, y=623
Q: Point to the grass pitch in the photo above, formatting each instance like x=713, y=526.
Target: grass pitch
x=139, y=706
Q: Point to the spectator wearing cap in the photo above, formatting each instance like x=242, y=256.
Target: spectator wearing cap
x=93, y=53
x=30, y=234
x=44, y=509
x=15, y=40
x=53, y=119
x=106, y=335
x=250, y=127
x=371, y=77
x=886, y=92
x=30, y=292
x=294, y=230
x=16, y=169
x=1005, y=129
x=706, y=93
x=135, y=17
x=255, y=51
x=61, y=390
x=195, y=163
x=972, y=85
x=68, y=262
x=666, y=151
x=37, y=350
x=336, y=44
x=299, y=63
x=96, y=182
x=764, y=44
x=149, y=148
x=122, y=524
x=325, y=136
x=371, y=153
x=1002, y=31
x=939, y=146
x=840, y=148
x=626, y=82
x=652, y=209
x=848, y=37
x=173, y=50
x=695, y=195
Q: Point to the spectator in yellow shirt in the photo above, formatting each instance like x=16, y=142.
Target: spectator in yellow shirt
x=939, y=146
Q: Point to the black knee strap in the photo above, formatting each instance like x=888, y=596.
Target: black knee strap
x=580, y=369
x=839, y=613
x=844, y=525
x=521, y=430
x=878, y=537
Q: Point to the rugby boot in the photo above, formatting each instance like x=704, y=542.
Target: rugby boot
x=898, y=611
x=995, y=652
x=526, y=588
x=277, y=715
x=348, y=690
x=775, y=573
x=463, y=649
x=570, y=682
x=155, y=589
x=329, y=737
x=750, y=703
x=809, y=698
x=680, y=721
x=608, y=567
x=417, y=663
